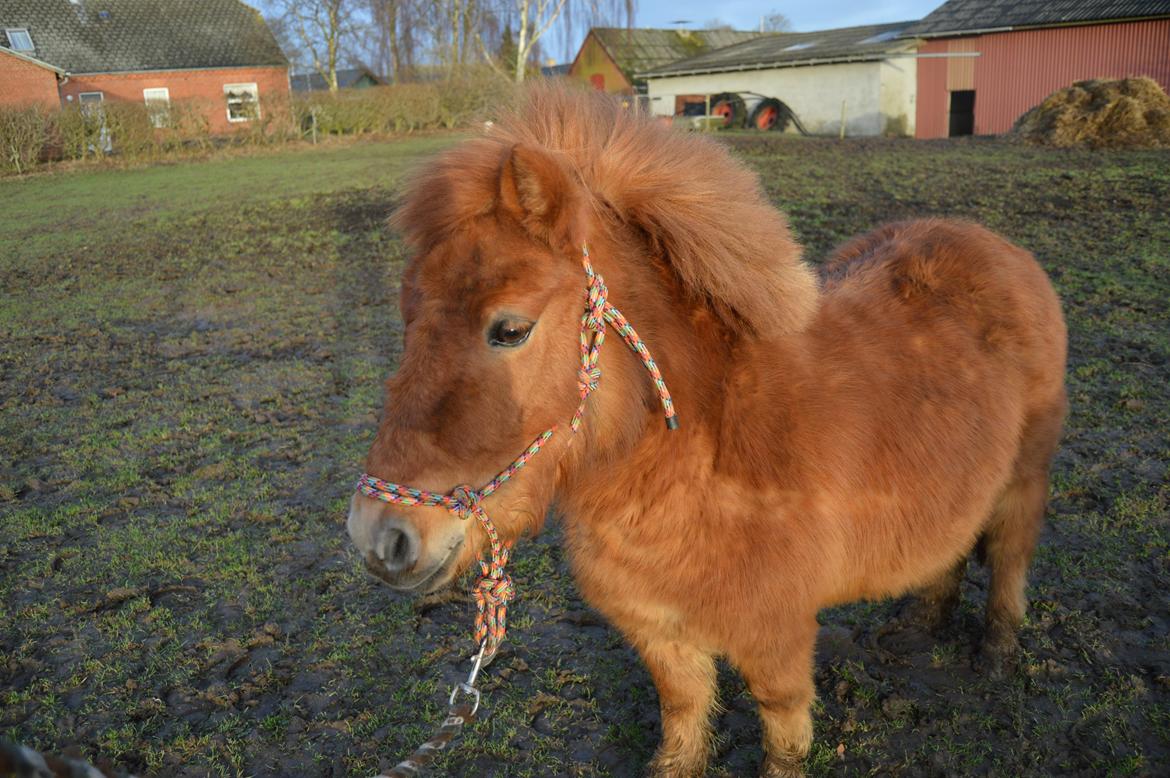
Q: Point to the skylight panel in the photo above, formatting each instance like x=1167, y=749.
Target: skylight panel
x=881, y=37
x=20, y=40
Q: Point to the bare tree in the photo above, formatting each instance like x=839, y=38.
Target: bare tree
x=320, y=26
x=774, y=21
x=393, y=26
x=531, y=20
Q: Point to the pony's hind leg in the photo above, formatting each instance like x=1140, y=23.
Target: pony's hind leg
x=685, y=678
x=1009, y=541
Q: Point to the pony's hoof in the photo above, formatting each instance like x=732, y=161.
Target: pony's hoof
x=782, y=767
x=675, y=766
x=998, y=657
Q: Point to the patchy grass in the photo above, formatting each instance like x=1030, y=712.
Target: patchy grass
x=191, y=358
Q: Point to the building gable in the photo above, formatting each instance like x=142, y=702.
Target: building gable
x=635, y=50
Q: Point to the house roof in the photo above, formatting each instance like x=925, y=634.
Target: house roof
x=33, y=60
x=791, y=49
x=638, y=50
x=103, y=36
x=315, y=82
x=969, y=16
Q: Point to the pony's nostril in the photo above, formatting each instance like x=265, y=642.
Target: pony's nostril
x=397, y=549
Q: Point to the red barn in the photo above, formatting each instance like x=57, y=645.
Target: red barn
x=218, y=54
x=983, y=63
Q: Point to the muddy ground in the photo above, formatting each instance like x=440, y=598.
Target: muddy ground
x=191, y=360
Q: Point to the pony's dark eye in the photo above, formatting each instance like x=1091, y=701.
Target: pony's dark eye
x=510, y=332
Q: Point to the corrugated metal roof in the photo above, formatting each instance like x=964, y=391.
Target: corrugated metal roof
x=102, y=36
x=965, y=16
x=788, y=49
x=636, y=50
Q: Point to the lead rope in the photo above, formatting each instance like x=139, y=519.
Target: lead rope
x=495, y=589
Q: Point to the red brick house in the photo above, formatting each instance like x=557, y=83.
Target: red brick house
x=217, y=54
x=25, y=80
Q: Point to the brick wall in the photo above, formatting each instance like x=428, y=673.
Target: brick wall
x=203, y=86
x=25, y=83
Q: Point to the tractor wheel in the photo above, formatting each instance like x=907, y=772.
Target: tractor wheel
x=769, y=115
x=730, y=106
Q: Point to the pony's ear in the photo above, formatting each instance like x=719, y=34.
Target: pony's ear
x=537, y=190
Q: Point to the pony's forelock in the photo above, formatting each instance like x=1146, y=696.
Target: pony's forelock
x=701, y=210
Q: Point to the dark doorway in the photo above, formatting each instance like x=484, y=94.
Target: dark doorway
x=962, y=113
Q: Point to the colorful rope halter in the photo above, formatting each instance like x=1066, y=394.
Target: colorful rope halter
x=495, y=590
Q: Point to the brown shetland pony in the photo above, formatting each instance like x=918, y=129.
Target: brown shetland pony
x=850, y=437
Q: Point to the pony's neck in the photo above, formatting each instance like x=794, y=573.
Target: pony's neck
x=719, y=379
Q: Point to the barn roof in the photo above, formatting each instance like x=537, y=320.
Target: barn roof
x=969, y=16
x=103, y=36
x=346, y=78
x=789, y=49
x=636, y=50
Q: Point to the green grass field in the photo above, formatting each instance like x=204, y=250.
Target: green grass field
x=191, y=363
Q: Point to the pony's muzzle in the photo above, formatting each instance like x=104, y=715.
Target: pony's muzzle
x=392, y=547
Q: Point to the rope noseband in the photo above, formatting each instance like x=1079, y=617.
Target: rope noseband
x=495, y=590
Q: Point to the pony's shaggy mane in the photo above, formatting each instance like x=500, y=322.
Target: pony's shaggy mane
x=699, y=209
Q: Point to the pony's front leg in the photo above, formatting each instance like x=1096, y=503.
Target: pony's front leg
x=685, y=678
x=778, y=669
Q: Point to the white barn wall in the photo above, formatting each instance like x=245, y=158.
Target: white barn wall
x=899, y=79
x=876, y=94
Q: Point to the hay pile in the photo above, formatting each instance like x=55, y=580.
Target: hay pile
x=1127, y=113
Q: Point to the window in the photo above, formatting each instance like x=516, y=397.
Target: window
x=158, y=105
x=800, y=46
x=20, y=40
x=90, y=98
x=243, y=102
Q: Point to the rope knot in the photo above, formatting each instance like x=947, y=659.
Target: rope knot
x=464, y=501
x=595, y=308
x=588, y=378
x=495, y=591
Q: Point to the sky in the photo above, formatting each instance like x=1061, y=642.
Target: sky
x=804, y=14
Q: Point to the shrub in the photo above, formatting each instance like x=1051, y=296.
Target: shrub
x=24, y=134
x=134, y=131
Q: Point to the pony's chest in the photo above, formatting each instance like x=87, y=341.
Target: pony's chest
x=632, y=583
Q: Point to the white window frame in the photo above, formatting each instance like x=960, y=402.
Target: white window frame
x=244, y=87
x=10, y=32
x=101, y=98
x=158, y=105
